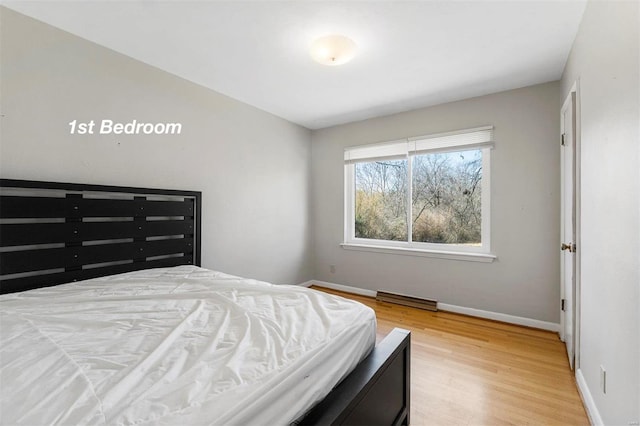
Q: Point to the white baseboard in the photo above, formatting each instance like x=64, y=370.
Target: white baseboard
x=511, y=319
x=306, y=284
x=345, y=288
x=587, y=400
x=496, y=316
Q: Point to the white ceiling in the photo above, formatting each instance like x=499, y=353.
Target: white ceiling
x=410, y=53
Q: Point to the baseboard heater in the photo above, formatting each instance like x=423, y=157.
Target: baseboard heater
x=414, y=302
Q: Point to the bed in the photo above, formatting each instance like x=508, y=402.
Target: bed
x=107, y=318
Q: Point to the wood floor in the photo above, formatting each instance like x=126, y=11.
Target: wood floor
x=471, y=371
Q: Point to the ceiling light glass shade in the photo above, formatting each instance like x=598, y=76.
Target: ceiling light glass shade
x=333, y=50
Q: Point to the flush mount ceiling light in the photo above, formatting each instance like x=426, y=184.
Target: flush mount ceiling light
x=333, y=50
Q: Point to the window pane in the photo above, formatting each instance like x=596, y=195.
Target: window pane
x=446, y=196
x=381, y=200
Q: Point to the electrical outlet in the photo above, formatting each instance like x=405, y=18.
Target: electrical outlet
x=332, y=269
x=603, y=379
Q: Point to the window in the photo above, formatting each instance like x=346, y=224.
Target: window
x=427, y=195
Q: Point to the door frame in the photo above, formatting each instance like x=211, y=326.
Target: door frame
x=574, y=91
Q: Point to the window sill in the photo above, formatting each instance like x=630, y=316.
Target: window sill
x=405, y=251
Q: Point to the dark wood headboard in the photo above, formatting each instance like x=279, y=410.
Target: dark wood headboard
x=53, y=233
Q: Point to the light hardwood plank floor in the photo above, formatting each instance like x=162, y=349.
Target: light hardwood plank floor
x=471, y=371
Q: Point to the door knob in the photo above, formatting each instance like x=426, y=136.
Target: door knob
x=570, y=247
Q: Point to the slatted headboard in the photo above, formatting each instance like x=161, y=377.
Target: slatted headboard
x=53, y=233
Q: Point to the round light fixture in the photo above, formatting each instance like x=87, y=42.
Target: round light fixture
x=333, y=50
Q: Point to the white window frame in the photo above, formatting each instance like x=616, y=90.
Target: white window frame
x=476, y=138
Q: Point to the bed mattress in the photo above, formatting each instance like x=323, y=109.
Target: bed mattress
x=174, y=346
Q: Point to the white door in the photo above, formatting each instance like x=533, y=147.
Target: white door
x=568, y=226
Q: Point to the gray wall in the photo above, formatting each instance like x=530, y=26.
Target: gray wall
x=524, y=281
x=604, y=59
x=252, y=167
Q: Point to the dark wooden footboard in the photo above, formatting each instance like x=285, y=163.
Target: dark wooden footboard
x=377, y=392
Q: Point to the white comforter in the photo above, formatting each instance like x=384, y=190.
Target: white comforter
x=174, y=346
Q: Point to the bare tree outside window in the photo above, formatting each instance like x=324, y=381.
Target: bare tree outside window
x=381, y=200
x=446, y=198
x=445, y=204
